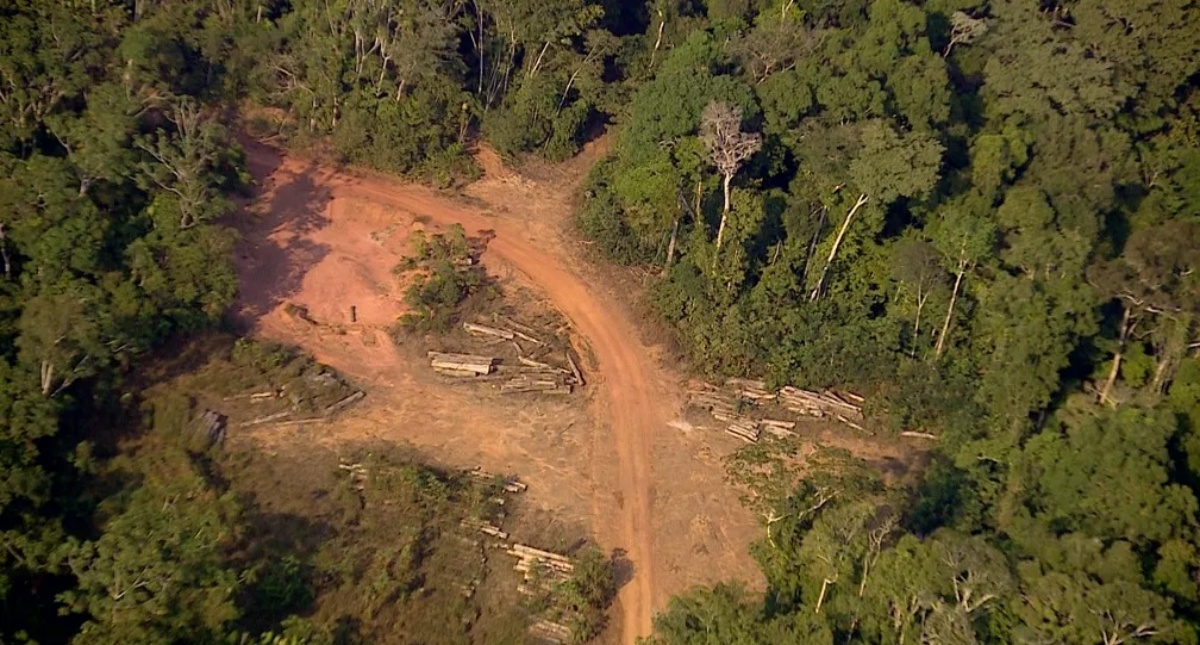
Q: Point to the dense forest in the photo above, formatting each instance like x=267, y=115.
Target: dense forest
x=983, y=215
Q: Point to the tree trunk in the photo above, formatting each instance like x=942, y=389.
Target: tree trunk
x=47, y=377
x=812, y=245
x=816, y=292
x=821, y=598
x=671, y=246
x=917, y=325
x=662, y=22
x=4, y=253
x=962, y=269
x=724, y=213
x=1106, y=391
x=537, y=64
x=1172, y=347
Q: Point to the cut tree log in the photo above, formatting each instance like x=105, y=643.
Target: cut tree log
x=539, y=553
x=529, y=362
x=516, y=328
x=919, y=435
x=476, y=368
x=267, y=419
x=462, y=358
x=456, y=373
x=484, y=330
x=345, y=402
x=574, y=368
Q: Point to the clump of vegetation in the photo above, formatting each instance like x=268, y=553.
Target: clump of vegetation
x=446, y=275
x=581, y=602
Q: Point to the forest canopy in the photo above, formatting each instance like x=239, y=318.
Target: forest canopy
x=983, y=215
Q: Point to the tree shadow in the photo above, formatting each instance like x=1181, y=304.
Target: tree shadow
x=282, y=549
x=622, y=567
x=277, y=250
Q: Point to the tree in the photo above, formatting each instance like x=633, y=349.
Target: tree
x=728, y=147
x=158, y=571
x=916, y=265
x=185, y=162
x=1155, y=278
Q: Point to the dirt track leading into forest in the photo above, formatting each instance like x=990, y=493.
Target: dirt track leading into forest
x=632, y=405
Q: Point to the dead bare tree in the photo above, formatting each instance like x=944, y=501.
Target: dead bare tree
x=963, y=29
x=728, y=147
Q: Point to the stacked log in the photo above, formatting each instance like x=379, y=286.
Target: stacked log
x=487, y=528
x=721, y=405
x=746, y=429
x=532, y=383
x=511, y=484
x=507, y=333
x=551, y=632
x=539, y=569
x=536, y=376
x=726, y=405
x=536, y=562
x=357, y=473
x=462, y=365
x=751, y=390
x=212, y=427
x=780, y=429
x=821, y=404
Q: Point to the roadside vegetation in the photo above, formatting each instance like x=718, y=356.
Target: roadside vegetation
x=982, y=215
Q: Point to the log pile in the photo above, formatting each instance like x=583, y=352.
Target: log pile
x=751, y=390
x=730, y=403
x=540, y=568
x=357, y=473
x=502, y=333
x=527, y=375
x=511, y=484
x=485, y=527
x=744, y=428
x=551, y=632
x=722, y=405
x=845, y=408
x=462, y=365
x=211, y=426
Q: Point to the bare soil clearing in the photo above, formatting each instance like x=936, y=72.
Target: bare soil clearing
x=326, y=239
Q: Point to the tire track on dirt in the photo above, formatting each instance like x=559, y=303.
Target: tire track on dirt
x=632, y=405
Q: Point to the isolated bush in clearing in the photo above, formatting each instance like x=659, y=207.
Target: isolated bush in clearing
x=446, y=276
x=583, y=599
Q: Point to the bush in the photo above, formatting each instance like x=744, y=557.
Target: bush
x=587, y=594
x=448, y=275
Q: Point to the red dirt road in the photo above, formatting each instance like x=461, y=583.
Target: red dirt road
x=633, y=404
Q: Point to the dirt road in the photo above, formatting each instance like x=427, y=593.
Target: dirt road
x=633, y=404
